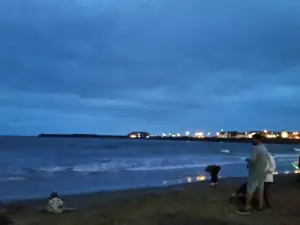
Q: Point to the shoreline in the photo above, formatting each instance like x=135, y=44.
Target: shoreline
x=190, y=203
x=87, y=200
x=110, y=195
x=165, y=184
x=120, y=194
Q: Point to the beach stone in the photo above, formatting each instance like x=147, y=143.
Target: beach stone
x=5, y=220
x=15, y=208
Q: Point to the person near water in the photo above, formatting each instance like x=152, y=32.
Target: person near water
x=214, y=172
x=258, y=163
x=55, y=204
x=241, y=192
x=269, y=179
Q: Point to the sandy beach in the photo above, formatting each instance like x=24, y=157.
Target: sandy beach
x=185, y=204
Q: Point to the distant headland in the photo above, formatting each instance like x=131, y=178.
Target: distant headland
x=79, y=136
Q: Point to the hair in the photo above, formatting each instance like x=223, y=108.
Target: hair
x=53, y=194
x=258, y=137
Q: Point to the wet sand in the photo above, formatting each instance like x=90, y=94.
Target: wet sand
x=185, y=204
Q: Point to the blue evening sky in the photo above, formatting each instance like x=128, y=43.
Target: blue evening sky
x=115, y=66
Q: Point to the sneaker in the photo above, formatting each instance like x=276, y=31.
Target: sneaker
x=213, y=185
x=243, y=211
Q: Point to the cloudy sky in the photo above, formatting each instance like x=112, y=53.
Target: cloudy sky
x=114, y=66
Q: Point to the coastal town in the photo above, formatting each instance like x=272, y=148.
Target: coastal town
x=232, y=136
x=222, y=135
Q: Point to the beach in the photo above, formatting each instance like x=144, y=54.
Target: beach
x=191, y=204
x=137, y=181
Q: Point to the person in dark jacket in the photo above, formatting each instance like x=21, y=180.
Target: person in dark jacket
x=214, y=172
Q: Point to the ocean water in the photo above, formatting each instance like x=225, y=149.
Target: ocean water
x=31, y=167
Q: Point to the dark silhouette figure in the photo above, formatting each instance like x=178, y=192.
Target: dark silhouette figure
x=214, y=172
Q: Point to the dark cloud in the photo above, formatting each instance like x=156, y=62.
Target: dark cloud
x=153, y=65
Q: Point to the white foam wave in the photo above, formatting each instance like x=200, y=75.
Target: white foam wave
x=285, y=155
x=227, y=151
x=189, y=166
x=12, y=179
x=144, y=164
x=140, y=164
x=52, y=169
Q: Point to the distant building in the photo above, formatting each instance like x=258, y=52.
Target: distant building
x=285, y=134
x=228, y=134
x=242, y=135
x=139, y=135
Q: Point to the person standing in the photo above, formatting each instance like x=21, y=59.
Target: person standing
x=269, y=179
x=258, y=163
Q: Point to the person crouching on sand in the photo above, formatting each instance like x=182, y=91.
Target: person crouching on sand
x=214, y=172
x=55, y=204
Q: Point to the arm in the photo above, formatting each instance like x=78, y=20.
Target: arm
x=272, y=164
x=253, y=156
x=61, y=204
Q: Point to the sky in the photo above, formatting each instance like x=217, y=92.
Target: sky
x=116, y=66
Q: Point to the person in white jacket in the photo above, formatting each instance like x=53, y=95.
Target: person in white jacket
x=241, y=192
x=271, y=167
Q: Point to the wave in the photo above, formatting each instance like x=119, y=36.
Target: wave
x=141, y=164
x=5, y=179
x=285, y=158
x=108, y=165
x=227, y=151
x=152, y=164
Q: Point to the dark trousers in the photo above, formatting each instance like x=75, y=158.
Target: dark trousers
x=214, y=174
x=266, y=194
x=243, y=190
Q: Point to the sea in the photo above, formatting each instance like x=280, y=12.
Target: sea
x=32, y=167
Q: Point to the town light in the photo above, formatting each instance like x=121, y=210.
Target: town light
x=200, y=178
x=284, y=134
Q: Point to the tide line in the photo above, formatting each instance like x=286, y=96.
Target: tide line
x=200, y=178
